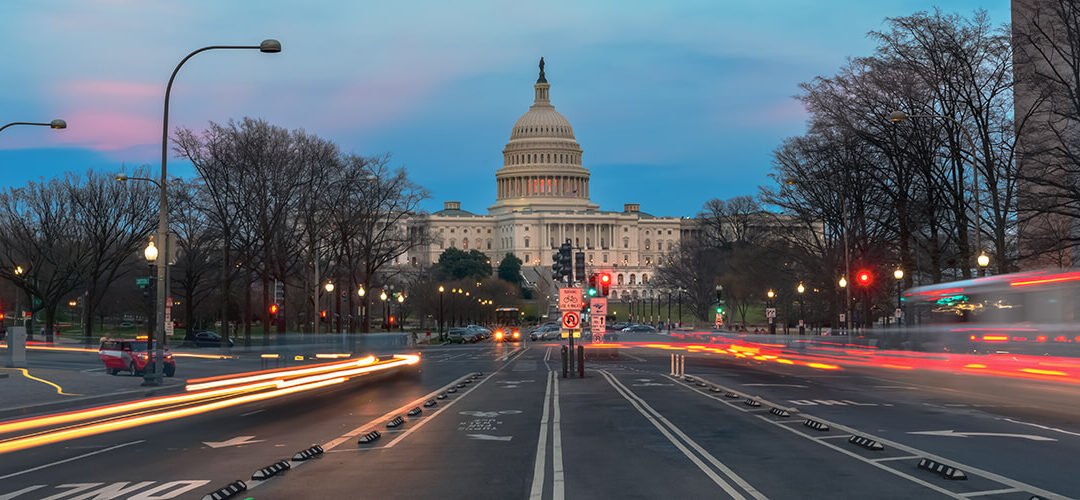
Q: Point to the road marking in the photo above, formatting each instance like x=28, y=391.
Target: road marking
x=59, y=390
x=968, y=468
x=250, y=413
x=506, y=356
x=655, y=418
x=631, y=356
x=952, y=433
x=236, y=441
x=27, y=489
x=66, y=460
x=890, y=459
x=441, y=409
x=989, y=492
x=838, y=436
x=486, y=437
x=558, y=483
x=91, y=370
x=1055, y=429
x=537, y=491
x=775, y=385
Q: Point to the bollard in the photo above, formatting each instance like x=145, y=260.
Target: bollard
x=672, y=366
x=682, y=365
x=581, y=361
x=562, y=351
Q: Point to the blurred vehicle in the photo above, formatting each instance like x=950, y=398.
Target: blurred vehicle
x=207, y=338
x=508, y=324
x=555, y=334
x=618, y=326
x=130, y=355
x=639, y=328
x=1032, y=312
x=460, y=335
x=480, y=332
x=539, y=332
x=127, y=324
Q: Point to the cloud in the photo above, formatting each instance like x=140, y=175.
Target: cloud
x=104, y=130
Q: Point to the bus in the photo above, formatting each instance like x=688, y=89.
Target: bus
x=1032, y=312
x=508, y=324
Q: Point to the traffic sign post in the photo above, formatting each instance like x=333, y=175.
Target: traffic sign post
x=598, y=318
x=719, y=319
x=570, y=299
x=571, y=320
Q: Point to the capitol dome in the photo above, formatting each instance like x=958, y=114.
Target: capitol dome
x=542, y=162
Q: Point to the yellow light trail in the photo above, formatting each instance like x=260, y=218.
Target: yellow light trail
x=279, y=373
x=59, y=390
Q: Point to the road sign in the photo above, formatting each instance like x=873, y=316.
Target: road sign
x=719, y=320
x=843, y=317
x=899, y=313
x=598, y=315
x=770, y=312
x=142, y=281
x=571, y=320
x=569, y=299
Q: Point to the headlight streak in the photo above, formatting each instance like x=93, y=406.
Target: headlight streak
x=273, y=374
x=139, y=412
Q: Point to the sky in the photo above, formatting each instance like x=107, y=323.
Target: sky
x=673, y=102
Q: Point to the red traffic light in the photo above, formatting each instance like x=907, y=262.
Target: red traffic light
x=864, y=278
x=605, y=278
x=273, y=308
x=323, y=313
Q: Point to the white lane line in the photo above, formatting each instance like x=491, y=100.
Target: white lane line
x=27, y=489
x=537, y=491
x=252, y=412
x=1055, y=429
x=631, y=356
x=839, y=436
x=506, y=356
x=967, y=468
x=856, y=456
x=91, y=370
x=730, y=490
x=421, y=423
x=1003, y=491
x=557, y=481
x=66, y=460
x=890, y=459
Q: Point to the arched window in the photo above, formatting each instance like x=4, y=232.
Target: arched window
x=618, y=279
x=489, y=244
x=464, y=243
x=626, y=242
x=453, y=244
x=644, y=278
x=526, y=242
x=625, y=295
x=648, y=244
x=632, y=279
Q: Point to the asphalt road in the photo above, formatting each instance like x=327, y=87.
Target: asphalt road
x=627, y=430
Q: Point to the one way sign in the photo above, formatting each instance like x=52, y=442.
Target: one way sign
x=598, y=315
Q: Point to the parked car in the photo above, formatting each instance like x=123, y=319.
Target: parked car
x=127, y=324
x=618, y=326
x=639, y=329
x=459, y=335
x=130, y=355
x=481, y=332
x=539, y=332
x=207, y=338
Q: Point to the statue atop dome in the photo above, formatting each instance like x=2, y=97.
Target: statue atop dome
x=541, y=79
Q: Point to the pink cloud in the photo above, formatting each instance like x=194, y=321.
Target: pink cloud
x=109, y=130
x=93, y=90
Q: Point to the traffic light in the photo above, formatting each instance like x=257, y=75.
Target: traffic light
x=579, y=266
x=561, y=269
x=605, y=284
x=273, y=308
x=593, y=291
x=322, y=315
x=864, y=278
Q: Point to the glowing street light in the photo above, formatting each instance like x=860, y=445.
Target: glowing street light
x=842, y=282
x=361, y=292
x=329, y=286
x=984, y=260
x=151, y=252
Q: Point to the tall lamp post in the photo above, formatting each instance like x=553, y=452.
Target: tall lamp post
x=268, y=46
x=899, y=116
x=56, y=124
x=899, y=275
x=329, y=287
x=846, y=320
x=441, y=290
x=768, y=305
x=802, y=309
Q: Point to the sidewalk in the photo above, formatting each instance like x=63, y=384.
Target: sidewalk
x=22, y=396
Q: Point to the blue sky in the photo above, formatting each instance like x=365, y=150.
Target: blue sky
x=674, y=102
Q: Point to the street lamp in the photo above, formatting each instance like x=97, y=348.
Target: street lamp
x=329, y=286
x=842, y=282
x=802, y=309
x=984, y=260
x=268, y=46
x=361, y=292
x=768, y=305
x=441, y=290
x=151, y=252
x=899, y=275
x=56, y=124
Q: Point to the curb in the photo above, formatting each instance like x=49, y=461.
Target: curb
x=89, y=400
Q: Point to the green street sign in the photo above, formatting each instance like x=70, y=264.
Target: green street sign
x=142, y=281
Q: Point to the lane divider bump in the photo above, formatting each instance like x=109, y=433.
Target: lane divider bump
x=229, y=491
x=945, y=471
x=271, y=471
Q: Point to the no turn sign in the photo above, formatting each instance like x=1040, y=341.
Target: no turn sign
x=571, y=320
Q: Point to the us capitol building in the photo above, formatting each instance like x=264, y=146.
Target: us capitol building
x=542, y=199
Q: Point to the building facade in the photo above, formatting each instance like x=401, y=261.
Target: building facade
x=542, y=200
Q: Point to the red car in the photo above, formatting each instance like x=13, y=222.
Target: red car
x=130, y=355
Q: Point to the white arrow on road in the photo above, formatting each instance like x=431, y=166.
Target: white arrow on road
x=952, y=433
x=485, y=437
x=236, y=441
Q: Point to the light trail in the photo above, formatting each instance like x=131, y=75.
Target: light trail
x=244, y=388
x=59, y=390
x=209, y=383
